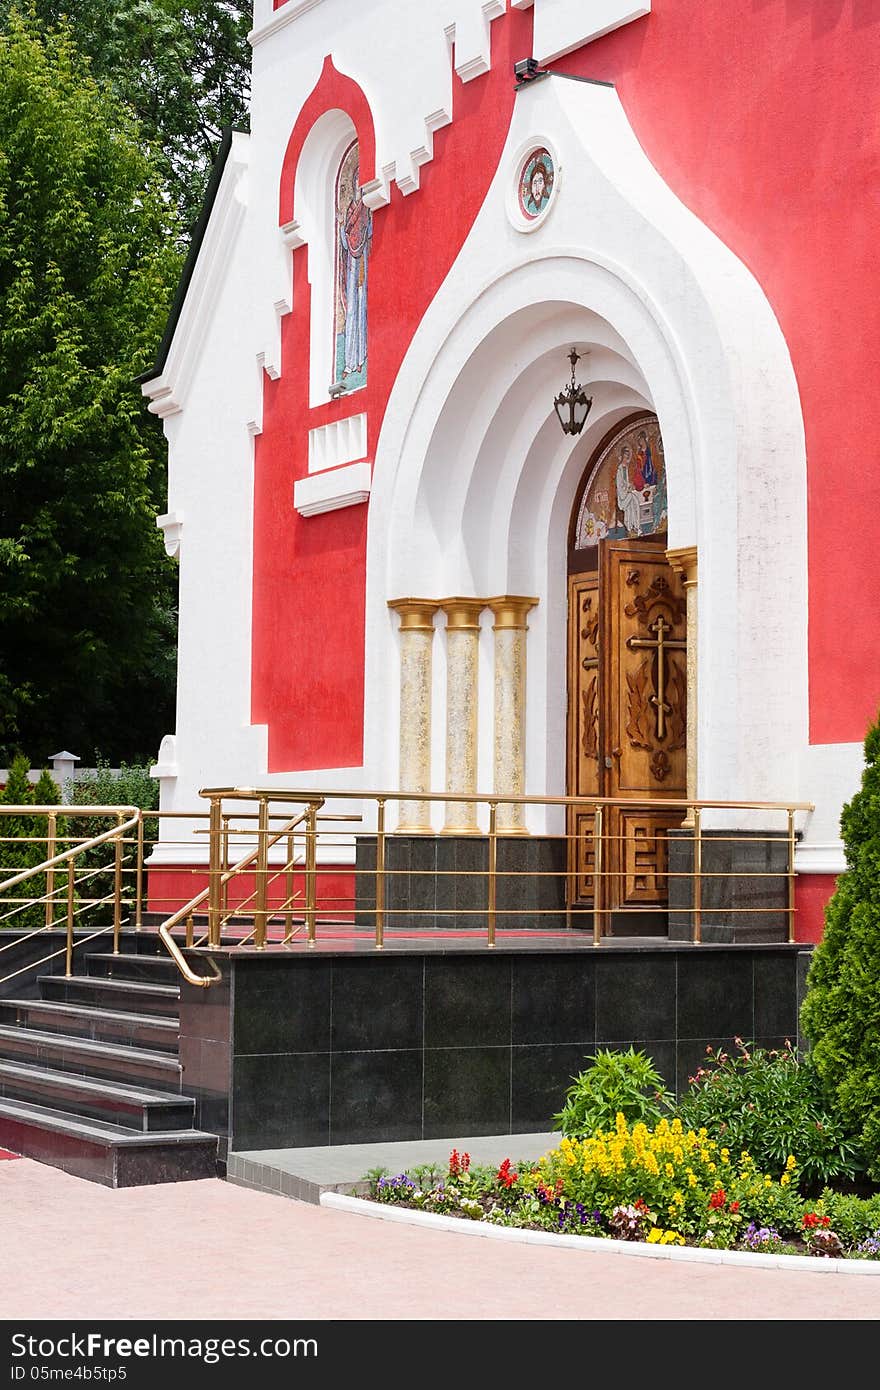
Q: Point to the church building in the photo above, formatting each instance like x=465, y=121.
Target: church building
x=511, y=395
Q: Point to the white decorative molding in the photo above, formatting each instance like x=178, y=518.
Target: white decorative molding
x=328, y=491
x=342, y=441
x=171, y=525
x=167, y=391
x=820, y=859
x=166, y=761
x=292, y=235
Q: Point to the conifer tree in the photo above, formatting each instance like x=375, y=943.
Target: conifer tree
x=841, y=1012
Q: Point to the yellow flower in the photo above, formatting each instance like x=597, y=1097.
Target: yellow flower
x=655, y=1235
x=791, y=1162
x=678, y=1199
x=676, y=1126
x=670, y=1171
x=784, y=1180
x=692, y=1178
x=725, y=1155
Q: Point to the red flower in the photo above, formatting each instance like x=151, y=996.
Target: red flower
x=454, y=1163
x=812, y=1219
x=505, y=1176
x=718, y=1199
x=734, y=1206
x=465, y=1163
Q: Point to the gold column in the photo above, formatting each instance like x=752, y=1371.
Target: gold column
x=684, y=562
x=416, y=640
x=510, y=629
x=462, y=682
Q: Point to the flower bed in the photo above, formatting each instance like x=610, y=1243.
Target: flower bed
x=665, y=1185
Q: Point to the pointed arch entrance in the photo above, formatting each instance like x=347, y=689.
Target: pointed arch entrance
x=627, y=677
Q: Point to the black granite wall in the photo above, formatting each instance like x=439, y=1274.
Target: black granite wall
x=744, y=886
x=343, y=1049
x=440, y=882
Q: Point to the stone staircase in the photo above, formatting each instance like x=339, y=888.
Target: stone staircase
x=90, y=1076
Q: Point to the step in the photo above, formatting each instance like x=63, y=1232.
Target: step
x=106, y=1153
x=84, y=1057
x=133, y=965
x=86, y=1021
x=129, y=996
x=137, y=1108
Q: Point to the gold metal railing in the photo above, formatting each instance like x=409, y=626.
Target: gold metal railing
x=284, y=877
x=69, y=894
x=602, y=841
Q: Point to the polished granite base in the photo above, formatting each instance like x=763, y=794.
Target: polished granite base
x=343, y=1044
x=440, y=882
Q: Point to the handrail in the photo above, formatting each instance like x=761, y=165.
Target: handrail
x=500, y=798
x=115, y=833
x=205, y=981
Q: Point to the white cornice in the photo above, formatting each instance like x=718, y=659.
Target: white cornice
x=335, y=488
x=167, y=391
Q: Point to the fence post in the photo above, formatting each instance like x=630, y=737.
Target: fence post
x=311, y=862
x=117, y=883
x=262, y=886
x=493, y=862
x=50, y=873
x=380, y=873
x=71, y=881
x=698, y=879
x=597, y=875
x=214, y=872
x=791, y=900
x=139, y=876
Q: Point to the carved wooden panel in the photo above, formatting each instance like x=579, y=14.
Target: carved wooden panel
x=644, y=856
x=646, y=617
x=627, y=718
x=584, y=774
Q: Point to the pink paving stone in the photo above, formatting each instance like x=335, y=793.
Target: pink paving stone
x=212, y=1250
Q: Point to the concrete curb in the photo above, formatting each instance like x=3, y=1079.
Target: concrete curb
x=637, y=1249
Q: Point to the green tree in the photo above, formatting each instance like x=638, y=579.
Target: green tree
x=841, y=1011
x=88, y=262
x=181, y=66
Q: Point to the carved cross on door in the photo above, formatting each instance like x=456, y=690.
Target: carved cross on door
x=661, y=645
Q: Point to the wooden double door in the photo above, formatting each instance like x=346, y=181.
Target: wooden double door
x=627, y=722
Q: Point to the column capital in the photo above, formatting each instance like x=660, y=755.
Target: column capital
x=416, y=614
x=684, y=562
x=509, y=611
x=463, y=614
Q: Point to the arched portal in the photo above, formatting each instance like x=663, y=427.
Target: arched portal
x=474, y=482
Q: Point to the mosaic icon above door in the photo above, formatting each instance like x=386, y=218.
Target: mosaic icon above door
x=625, y=495
x=536, y=179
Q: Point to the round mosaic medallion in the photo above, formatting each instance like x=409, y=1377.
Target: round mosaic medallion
x=536, y=183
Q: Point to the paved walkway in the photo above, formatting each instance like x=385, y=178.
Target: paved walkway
x=215, y=1250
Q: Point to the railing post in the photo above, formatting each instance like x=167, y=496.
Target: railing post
x=289, y=885
x=311, y=862
x=50, y=873
x=380, y=873
x=71, y=894
x=791, y=899
x=698, y=879
x=117, y=883
x=224, y=887
x=262, y=887
x=214, y=872
x=597, y=874
x=493, y=866
x=139, y=876
x=190, y=929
